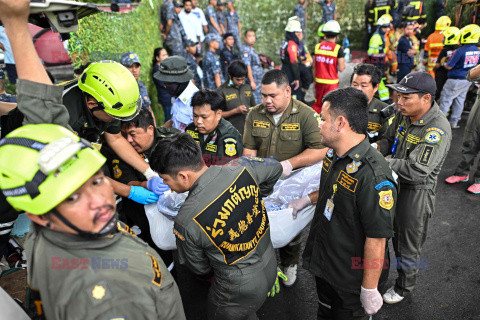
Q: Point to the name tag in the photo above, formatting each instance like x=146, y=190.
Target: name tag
x=261, y=124
x=231, y=97
x=328, y=209
x=211, y=147
x=290, y=126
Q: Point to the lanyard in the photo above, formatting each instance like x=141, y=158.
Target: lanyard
x=395, y=142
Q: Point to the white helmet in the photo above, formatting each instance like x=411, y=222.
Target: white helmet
x=331, y=27
x=293, y=25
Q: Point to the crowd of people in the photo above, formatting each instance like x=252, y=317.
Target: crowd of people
x=82, y=160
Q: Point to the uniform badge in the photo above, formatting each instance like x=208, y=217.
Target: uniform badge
x=386, y=199
x=330, y=153
x=98, y=292
x=117, y=173
x=434, y=135
x=230, y=147
x=353, y=167
x=317, y=116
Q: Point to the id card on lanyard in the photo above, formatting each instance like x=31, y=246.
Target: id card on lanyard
x=395, y=142
x=330, y=205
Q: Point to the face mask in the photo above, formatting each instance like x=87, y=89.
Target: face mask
x=172, y=88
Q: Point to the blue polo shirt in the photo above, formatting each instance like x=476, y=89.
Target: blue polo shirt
x=464, y=59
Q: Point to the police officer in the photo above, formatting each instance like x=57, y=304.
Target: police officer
x=212, y=71
x=471, y=142
x=251, y=59
x=222, y=227
x=377, y=53
x=212, y=19
x=131, y=61
x=228, y=54
x=190, y=56
x=222, y=22
x=73, y=208
x=234, y=24
x=176, y=75
x=173, y=34
x=218, y=139
x=346, y=248
x=237, y=94
x=287, y=129
x=4, y=96
x=418, y=141
x=367, y=77
x=141, y=133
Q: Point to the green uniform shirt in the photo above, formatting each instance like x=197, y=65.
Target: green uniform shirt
x=81, y=120
x=419, y=149
x=296, y=131
x=114, y=277
x=236, y=97
x=356, y=200
x=221, y=145
x=375, y=119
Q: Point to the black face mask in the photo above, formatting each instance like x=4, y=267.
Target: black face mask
x=175, y=88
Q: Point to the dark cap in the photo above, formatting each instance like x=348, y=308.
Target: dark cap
x=190, y=43
x=174, y=69
x=418, y=81
x=211, y=37
x=129, y=58
x=178, y=3
x=226, y=35
x=219, y=3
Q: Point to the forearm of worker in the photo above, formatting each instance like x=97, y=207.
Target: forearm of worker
x=249, y=152
x=215, y=25
x=308, y=157
x=341, y=64
x=5, y=107
x=474, y=74
x=2, y=47
x=229, y=113
x=218, y=81
x=250, y=74
x=168, y=27
x=119, y=188
x=313, y=197
x=373, y=255
x=27, y=63
x=239, y=28
x=125, y=151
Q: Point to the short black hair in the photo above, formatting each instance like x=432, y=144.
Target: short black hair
x=277, y=76
x=237, y=69
x=186, y=1
x=210, y=97
x=176, y=153
x=352, y=104
x=367, y=69
x=143, y=120
x=247, y=31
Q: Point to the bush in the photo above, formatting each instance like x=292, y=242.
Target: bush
x=105, y=36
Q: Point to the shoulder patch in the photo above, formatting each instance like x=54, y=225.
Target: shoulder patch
x=245, y=54
x=230, y=147
x=330, y=153
x=117, y=173
x=386, y=199
x=157, y=274
x=327, y=163
x=434, y=135
x=353, y=167
x=385, y=183
x=317, y=116
x=425, y=156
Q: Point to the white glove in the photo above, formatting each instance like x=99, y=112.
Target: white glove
x=371, y=300
x=149, y=173
x=298, y=205
x=287, y=168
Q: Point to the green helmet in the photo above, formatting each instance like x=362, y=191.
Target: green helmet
x=42, y=164
x=320, y=31
x=114, y=87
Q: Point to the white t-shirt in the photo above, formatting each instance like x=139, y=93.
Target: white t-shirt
x=276, y=117
x=203, y=22
x=192, y=25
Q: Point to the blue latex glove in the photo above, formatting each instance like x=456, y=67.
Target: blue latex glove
x=142, y=195
x=157, y=186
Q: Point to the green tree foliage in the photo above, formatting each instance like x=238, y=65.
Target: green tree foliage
x=105, y=36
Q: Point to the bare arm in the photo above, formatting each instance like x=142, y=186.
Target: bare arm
x=125, y=151
x=215, y=25
x=374, y=253
x=250, y=77
x=249, y=152
x=2, y=47
x=307, y=157
x=5, y=107
x=218, y=81
x=313, y=197
x=341, y=64
x=239, y=28
x=119, y=188
x=168, y=27
x=475, y=72
x=237, y=110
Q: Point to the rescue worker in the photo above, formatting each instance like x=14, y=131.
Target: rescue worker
x=379, y=8
x=255, y=69
x=212, y=70
x=234, y=24
x=435, y=44
x=329, y=59
x=354, y=213
x=72, y=207
x=222, y=228
x=391, y=42
x=377, y=53
x=465, y=58
x=418, y=141
x=141, y=133
x=176, y=75
x=451, y=43
x=415, y=10
x=287, y=129
x=218, y=139
x=405, y=51
x=367, y=77
x=237, y=94
x=471, y=142
x=289, y=54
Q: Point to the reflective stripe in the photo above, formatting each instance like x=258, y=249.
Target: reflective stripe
x=6, y=231
x=435, y=45
x=324, y=304
x=8, y=224
x=333, y=53
x=326, y=81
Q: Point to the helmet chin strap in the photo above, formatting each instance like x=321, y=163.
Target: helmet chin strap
x=109, y=228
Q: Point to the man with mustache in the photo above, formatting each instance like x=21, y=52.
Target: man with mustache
x=82, y=263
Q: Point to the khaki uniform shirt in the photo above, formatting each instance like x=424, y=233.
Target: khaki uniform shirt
x=375, y=119
x=236, y=97
x=296, y=131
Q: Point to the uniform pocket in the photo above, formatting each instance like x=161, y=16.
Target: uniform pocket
x=260, y=132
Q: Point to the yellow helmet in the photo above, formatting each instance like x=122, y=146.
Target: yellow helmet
x=470, y=34
x=384, y=20
x=451, y=36
x=443, y=23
